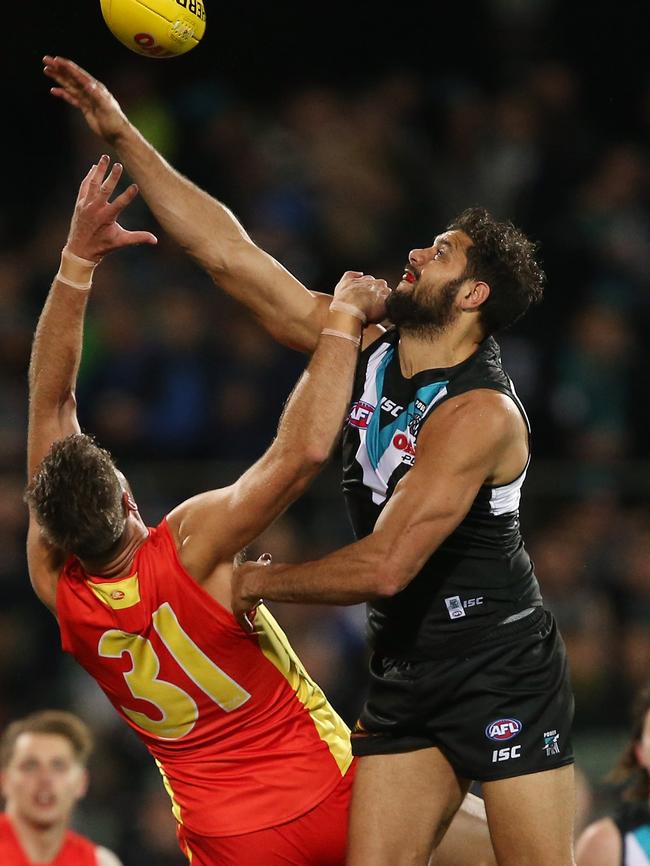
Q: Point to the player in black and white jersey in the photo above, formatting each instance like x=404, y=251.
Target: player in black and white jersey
x=468, y=673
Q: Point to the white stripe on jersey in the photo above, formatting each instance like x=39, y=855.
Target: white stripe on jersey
x=369, y=395
x=505, y=499
x=393, y=457
x=634, y=853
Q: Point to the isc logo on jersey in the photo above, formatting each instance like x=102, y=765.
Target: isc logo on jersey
x=360, y=414
x=503, y=729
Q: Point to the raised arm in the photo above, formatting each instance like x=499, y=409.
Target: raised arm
x=56, y=350
x=210, y=528
x=206, y=229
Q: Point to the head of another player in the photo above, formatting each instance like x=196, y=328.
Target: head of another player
x=633, y=768
x=478, y=268
x=81, y=500
x=43, y=766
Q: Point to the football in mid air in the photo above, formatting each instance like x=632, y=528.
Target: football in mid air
x=156, y=28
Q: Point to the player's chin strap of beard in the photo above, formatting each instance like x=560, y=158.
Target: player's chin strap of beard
x=264, y=559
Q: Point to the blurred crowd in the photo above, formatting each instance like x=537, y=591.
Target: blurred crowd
x=185, y=389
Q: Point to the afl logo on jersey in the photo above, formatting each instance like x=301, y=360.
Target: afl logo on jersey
x=117, y=594
x=360, y=414
x=503, y=729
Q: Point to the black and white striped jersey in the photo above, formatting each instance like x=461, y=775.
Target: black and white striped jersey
x=481, y=573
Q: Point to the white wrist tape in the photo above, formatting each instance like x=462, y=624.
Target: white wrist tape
x=75, y=271
x=332, y=333
x=343, y=307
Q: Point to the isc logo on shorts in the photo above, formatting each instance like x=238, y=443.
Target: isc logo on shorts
x=503, y=729
x=506, y=754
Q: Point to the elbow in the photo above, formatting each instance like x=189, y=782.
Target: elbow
x=314, y=458
x=308, y=461
x=391, y=579
x=299, y=469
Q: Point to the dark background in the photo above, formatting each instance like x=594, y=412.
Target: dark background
x=540, y=109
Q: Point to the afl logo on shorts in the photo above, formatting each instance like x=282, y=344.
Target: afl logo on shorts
x=360, y=414
x=503, y=729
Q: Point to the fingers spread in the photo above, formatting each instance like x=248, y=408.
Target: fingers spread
x=85, y=183
x=98, y=175
x=108, y=187
x=123, y=200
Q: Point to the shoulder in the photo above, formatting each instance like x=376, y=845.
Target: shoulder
x=599, y=844
x=106, y=857
x=484, y=409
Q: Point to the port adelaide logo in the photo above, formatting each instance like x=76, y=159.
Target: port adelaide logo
x=503, y=729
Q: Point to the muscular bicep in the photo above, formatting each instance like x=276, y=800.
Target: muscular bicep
x=44, y=563
x=458, y=450
x=46, y=426
x=283, y=306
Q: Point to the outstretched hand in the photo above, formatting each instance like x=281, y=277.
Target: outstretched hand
x=94, y=230
x=77, y=87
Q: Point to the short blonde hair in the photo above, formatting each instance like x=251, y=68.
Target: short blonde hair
x=57, y=722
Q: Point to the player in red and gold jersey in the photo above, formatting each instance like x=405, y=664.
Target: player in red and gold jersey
x=246, y=742
x=257, y=763
x=43, y=772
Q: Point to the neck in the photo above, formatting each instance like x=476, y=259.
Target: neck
x=420, y=351
x=120, y=564
x=40, y=844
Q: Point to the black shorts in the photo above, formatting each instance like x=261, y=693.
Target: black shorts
x=502, y=709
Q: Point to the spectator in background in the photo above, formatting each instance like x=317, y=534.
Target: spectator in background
x=624, y=838
x=43, y=775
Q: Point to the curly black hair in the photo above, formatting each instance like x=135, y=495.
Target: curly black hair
x=503, y=257
x=77, y=497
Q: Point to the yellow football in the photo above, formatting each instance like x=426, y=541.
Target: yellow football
x=157, y=28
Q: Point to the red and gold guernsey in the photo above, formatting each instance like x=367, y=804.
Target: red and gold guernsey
x=75, y=851
x=243, y=737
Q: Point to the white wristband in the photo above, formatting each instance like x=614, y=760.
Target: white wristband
x=343, y=307
x=75, y=271
x=332, y=333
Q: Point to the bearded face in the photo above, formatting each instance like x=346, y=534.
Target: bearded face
x=425, y=312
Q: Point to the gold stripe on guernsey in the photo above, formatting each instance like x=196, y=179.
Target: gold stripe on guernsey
x=176, y=809
x=330, y=726
x=118, y=594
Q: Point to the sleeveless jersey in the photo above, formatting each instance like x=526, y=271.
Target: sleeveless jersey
x=243, y=737
x=633, y=823
x=75, y=851
x=481, y=573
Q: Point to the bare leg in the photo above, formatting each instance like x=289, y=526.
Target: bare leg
x=401, y=805
x=467, y=842
x=531, y=818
